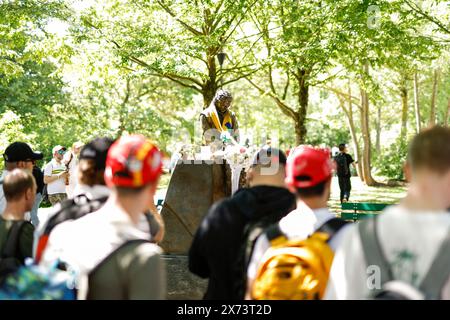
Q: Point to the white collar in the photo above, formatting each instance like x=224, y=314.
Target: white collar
x=303, y=221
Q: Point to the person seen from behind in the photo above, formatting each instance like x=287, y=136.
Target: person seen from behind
x=405, y=251
x=343, y=161
x=308, y=176
x=16, y=233
x=106, y=247
x=218, y=248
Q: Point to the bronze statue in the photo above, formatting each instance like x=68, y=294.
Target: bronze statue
x=218, y=122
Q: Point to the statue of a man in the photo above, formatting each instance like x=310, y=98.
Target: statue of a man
x=217, y=120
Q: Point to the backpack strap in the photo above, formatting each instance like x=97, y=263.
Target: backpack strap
x=439, y=272
x=113, y=253
x=372, y=250
x=274, y=234
x=331, y=227
x=83, y=289
x=10, y=249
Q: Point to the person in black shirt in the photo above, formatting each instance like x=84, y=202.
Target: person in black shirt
x=215, y=252
x=343, y=161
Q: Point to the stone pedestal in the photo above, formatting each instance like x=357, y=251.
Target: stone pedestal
x=193, y=188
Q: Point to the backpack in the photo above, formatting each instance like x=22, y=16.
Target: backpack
x=59, y=282
x=296, y=269
x=9, y=263
x=342, y=165
x=392, y=289
x=70, y=209
x=251, y=233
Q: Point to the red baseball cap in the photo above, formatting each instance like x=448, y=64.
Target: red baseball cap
x=308, y=166
x=132, y=162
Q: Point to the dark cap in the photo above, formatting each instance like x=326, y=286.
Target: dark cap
x=267, y=155
x=97, y=150
x=20, y=151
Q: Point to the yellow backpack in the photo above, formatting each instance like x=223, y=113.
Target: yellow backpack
x=296, y=269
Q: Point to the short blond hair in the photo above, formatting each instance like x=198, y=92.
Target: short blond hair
x=16, y=183
x=431, y=149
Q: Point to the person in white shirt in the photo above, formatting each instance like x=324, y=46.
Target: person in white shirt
x=411, y=236
x=56, y=176
x=133, y=168
x=308, y=175
x=91, y=185
x=71, y=160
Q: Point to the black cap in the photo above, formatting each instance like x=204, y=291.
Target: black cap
x=97, y=150
x=266, y=155
x=20, y=151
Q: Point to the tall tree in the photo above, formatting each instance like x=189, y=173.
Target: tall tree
x=417, y=103
x=299, y=41
x=180, y=42
x=432, y=120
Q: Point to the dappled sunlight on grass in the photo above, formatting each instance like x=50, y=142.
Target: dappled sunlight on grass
x=362, y=193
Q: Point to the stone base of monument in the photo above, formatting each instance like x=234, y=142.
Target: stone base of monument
x=193, y=188
x=181, y=284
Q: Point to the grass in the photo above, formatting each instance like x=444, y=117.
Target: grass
x=362, y=193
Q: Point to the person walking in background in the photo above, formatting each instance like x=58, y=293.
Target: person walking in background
x=56, y=176
x=343, y=161
x=71, y=160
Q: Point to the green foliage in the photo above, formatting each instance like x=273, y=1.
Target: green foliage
x=149, y=67
x=12, y=129
x=389, y=162
x=322, y=133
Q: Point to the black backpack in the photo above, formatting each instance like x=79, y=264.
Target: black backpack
x=70, y=209
x=9, y=261
x=392, y=289
x=342, y=165
x=75, y=208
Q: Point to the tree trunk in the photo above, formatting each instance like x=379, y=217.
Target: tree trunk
x=351, y=125
x=432, y=120
x=210, y=86
x=377, y=141
x=365, y=129
x=404, y=96
x=303, y=96
x=447, y=112
x=416, y=103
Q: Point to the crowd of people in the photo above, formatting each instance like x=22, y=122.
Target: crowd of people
x=275, y=239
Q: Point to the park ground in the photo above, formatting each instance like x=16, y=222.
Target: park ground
x=360, y=192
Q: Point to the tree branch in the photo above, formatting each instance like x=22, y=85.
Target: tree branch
x=286, y=86
x=428, y=17
x=342, y=94
x=184, y=24
x=240, y=77
x=284, y=108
